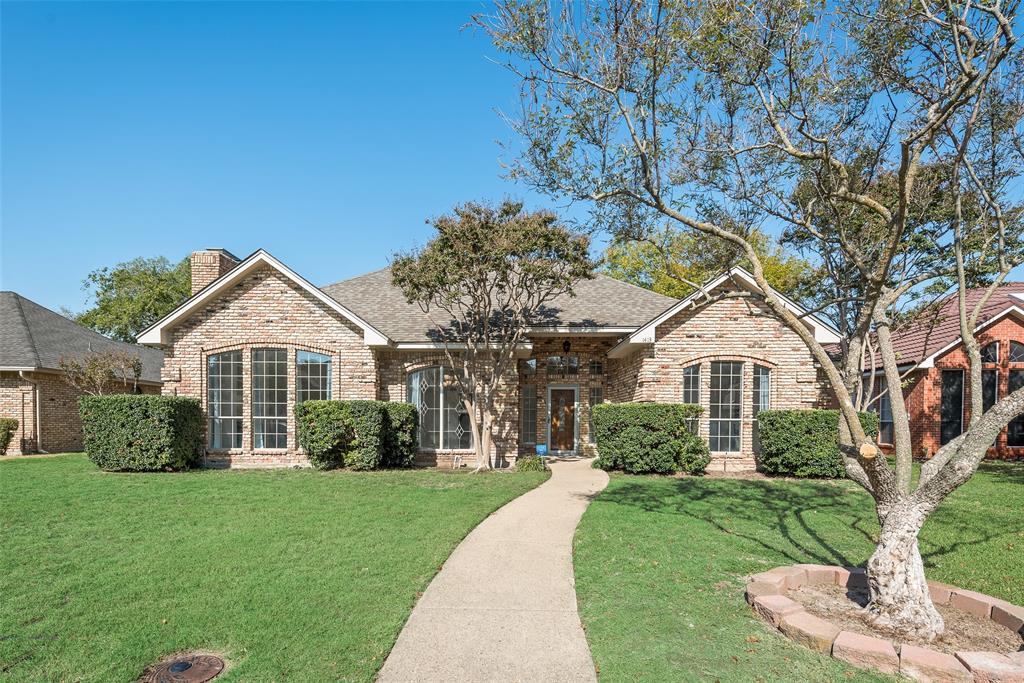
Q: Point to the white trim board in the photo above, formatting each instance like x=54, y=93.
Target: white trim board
x=159, y=333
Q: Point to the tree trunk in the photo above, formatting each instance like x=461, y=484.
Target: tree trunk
x=900, y=599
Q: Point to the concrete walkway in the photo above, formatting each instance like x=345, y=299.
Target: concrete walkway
x=503, y=607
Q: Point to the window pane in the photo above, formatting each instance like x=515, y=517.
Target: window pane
x=990, y=353
x=312, y=376
x=224, y=400
x=691, y=385
x=989, y=388
x=270, y=398
x=761, y=400
x=596, y=367
x=596, y=399
x=952, y=404
x=528, y=415
x=1016, y=352
x=457, y=431
x=724, y=408
x=1015, y=430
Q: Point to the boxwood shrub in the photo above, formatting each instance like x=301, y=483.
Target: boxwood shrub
x=8, y=425
x=137, y=433
x=804, y=443
x=324, y=432
x=363, y=435
x=400, y=436
x=649, y=437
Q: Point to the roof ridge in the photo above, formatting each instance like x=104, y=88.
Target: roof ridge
x=635, y=286
x=356, y=277
x=28, y=328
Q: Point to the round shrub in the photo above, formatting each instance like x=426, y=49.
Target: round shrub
x=694, y=455
x=400, y=436
x=324, y=432
x=804, y=443
x=530, y=463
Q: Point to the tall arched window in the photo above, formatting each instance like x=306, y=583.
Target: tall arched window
x=444, y=422
x=224, y=400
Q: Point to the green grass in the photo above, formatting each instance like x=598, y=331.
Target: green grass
x=659, y=566
x=293, y=575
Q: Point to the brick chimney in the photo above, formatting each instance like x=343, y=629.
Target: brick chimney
x=210, y=264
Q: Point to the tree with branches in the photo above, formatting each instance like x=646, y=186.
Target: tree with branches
x=490, y=274
x=101, y=372
x=882, y=135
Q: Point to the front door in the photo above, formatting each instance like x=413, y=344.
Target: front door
x=563, y=420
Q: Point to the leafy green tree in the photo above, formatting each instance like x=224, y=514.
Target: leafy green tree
x=710, y=115
x=484, y=280
x=133, y=295
x=676, y=262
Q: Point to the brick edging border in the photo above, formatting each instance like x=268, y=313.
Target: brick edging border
x=767, y=595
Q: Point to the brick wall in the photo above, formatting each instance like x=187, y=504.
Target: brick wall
x=727, y=330
x=209, y=265
x=924, y=395
x=60, y=423
x=17, y=401
x=266, y=310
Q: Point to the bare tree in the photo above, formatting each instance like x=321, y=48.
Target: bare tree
x=487, y=276
x=863, y=128
x=102, y=372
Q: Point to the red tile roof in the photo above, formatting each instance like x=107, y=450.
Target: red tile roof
x=938, y=330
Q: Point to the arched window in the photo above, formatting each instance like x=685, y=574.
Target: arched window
x=691, y=384
x=990, y=353
x=1016, y=352
x=312, y=376
x=224, y=400
x=444, y=422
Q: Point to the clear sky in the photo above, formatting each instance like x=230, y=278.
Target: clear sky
x=325, y=133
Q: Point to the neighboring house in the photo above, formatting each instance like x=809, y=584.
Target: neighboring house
x=937, y=390
x=33, y=391
x=256, y=338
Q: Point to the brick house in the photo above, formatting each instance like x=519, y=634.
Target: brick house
x=33, y=391
x=937, y=390
x=256, y=337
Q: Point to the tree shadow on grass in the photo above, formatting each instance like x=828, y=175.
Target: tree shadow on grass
x=735, y=505
x=1003, y=472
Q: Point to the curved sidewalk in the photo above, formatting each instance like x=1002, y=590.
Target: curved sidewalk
x=503, y=607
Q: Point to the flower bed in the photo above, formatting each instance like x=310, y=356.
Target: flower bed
x=768, y=594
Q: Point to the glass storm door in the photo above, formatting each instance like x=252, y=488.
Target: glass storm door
x=563, y=420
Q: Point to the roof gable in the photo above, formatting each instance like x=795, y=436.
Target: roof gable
x=647, y=333
x=160, y=332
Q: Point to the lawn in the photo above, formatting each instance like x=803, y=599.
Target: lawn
x=659, y=566
x=292, y=575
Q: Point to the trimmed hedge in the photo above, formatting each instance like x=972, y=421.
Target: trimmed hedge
x=323, y=432
x=363, y=435
x=139, y=433
x=400, y=441
x=649, y=437
x=8, y=425
x=804, y=443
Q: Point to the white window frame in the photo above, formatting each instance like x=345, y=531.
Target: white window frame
x=299, y=378
x=737, y=420
x=441, y=425
x=240, y=403
x=265, y=419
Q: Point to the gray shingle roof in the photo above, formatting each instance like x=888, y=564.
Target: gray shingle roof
x=601, y=302
x=32, y=336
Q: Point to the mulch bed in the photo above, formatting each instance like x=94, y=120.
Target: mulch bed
x=964, y=631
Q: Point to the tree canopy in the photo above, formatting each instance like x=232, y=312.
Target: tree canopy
x=131, y=296
x=675, y=262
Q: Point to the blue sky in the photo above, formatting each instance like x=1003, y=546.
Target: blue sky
x=326, y=133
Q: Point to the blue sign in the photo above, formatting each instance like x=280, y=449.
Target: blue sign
x=542, y=449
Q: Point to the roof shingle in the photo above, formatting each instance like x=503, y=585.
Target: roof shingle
x=32, y=336
x=601, y=302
